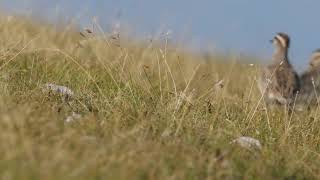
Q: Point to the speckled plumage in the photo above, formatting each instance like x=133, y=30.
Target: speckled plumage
x=310, y=81
x=279, y=82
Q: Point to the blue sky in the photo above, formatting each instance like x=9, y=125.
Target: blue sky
x=227, y=25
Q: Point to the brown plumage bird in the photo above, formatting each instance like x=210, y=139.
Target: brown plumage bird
x=279, y=82
x=310, y=81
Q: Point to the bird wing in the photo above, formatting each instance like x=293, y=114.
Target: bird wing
x=310, y=86
x=286, y=82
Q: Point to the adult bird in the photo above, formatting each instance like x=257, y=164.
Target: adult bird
x=279, y=82
x=310, y=81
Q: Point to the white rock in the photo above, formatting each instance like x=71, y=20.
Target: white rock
x=219, y=84
x=166, y=133
x=62, y=90
x=248, y=142
x=73, y=117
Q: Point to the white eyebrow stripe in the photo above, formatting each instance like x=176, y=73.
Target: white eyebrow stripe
x=282, y=40
x=315, y=55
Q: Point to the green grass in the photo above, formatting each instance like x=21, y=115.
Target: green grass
x=149, y=111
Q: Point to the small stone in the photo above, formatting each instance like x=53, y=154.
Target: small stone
x=62, y=90
x=73, y=117
x=248, y=142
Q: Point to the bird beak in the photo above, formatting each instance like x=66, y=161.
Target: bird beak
x=271, y=40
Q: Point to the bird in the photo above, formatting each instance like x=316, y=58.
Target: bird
x=310, y=81
x=279, y=83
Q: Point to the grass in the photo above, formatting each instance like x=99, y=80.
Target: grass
x=148, y=111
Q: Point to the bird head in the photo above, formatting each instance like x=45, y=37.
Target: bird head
x=281, y=40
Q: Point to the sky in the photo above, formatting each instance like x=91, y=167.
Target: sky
x=238, y=26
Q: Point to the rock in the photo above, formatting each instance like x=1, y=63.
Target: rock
x=57, y=89
x=248, y=143
x=73, y=117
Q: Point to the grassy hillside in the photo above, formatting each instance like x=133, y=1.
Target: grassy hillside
x=142, y=110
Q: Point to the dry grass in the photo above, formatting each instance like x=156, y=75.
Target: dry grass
x=149, y=111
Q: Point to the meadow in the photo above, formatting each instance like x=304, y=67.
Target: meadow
x=139, y=110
